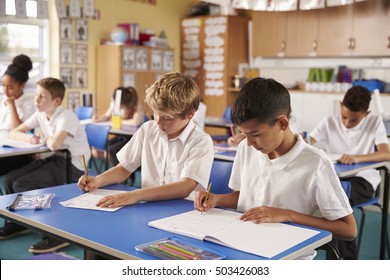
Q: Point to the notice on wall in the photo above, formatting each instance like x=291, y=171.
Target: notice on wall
x=214, y=56
x=191, y=47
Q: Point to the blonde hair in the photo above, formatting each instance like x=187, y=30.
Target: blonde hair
x=175, y=92
x=54, y=86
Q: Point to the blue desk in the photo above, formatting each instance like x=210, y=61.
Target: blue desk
x=218, y=122
x=115, y=234
x=227, y=155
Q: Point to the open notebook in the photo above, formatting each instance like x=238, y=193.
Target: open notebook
x=224, y=227
x=18, y=144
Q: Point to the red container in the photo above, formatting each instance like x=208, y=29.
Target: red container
x=144, y=37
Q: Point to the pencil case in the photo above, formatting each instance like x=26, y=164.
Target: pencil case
x=174, y=248
x=39, y=201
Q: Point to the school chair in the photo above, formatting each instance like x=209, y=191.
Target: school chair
x=331, y=250
x=374, y=202
x=226, y=117
x=98, y=139
x=220, y=176
x=84, y=112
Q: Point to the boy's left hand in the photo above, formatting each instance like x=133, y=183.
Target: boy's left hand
x=118, y=200
x=265, y=214
x=348, y=159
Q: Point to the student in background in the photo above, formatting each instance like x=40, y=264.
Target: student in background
x=132, y=114
x=236, y=139
x=200, y=115
x=59, y=127
x=276, y=176
x=15, y=106
x=357, y=136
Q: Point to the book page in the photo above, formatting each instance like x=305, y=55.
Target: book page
x=224, y=227
x=266, y=240
x=197, y=225
x=89, y=200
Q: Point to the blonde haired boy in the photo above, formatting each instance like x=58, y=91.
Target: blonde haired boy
x=175, y=154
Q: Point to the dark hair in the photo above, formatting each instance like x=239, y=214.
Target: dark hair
x=357, y=99
x=129, y=98
x=261, y=99
x=19, y=68
x=54, y=86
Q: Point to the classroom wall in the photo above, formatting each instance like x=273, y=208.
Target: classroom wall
x=165, y=15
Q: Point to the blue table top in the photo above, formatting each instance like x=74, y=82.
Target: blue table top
x=117, y=233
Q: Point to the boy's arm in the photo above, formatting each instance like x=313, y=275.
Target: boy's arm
x=55, y=142
x=343, y=228
x=382, y=154
x=19, y=133
x=180, y=189
x=114, y=175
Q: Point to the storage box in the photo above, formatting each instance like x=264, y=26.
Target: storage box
x=371, y=85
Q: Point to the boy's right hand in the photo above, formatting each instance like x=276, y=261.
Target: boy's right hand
x=201, y=205
x=88, y=184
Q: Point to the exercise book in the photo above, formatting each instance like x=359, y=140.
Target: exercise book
x=224, y=227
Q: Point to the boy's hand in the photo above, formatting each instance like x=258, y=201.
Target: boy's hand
x=265, y=214
x=202, y=205
x=118, y=200
x=88, y=184
x=348, y=159
x=35, y=139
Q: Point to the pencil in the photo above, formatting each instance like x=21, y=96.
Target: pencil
x=85, y=166
x=232, y=130
x=207, y=195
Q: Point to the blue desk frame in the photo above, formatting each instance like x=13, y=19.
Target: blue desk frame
x=115, y=234
x=6, y=151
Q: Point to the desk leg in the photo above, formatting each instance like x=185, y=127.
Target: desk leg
x=68, y=167
x=382, y=255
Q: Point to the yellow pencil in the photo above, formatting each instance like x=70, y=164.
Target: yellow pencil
x=85, y=167
x=207, y=195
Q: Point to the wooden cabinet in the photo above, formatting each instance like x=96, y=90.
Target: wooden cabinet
x=211, y=49
x=361, y=29
x=269, y=33
x=134, y=66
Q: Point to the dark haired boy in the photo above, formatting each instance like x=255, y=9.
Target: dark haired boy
x=357, y=136
x=276, y=176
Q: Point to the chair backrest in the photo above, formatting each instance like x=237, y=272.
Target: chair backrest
x=84, y=112
x=97, y=135
x=220, y=175
x=226, y=113
x=346, y=187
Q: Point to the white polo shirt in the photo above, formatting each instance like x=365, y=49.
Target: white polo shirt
x=24, y=107
x=303, y=180
x=190, y=155
x=64, y=120
x=358, y=140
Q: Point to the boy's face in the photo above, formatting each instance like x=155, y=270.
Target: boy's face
x=351, y=119
x=11, y=87
x=171, y=124
x=44, y=101
x=262, y=136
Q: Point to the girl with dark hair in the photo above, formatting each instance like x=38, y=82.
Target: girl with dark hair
x=15, y=106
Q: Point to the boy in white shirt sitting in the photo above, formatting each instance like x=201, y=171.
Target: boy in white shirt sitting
x=58, y=127
x=276, y=176
x=357, y=136
x=175, y=154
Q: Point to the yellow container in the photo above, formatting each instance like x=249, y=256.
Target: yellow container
x=116, y=122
